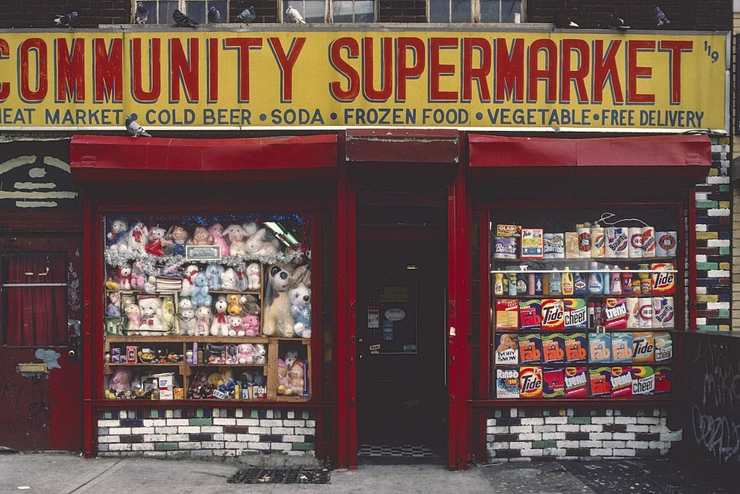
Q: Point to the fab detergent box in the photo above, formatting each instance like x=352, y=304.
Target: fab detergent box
x=663, y=347
x=643, y=348
x=576, y=382
x=599, y=348
x=530, y=349
x=621, y=381
x=575, y=313
x=553, y=314
x=553, y=348
x=530, y=314
x=643, y=381
x=533, y=243
x=553, y=385
x=575, y=348
x=600, y=381
x=663, y=280
x=615, y=313
x=507, y=313
x=507, y=383
x=663, y=379
x=530, y=382
x=622, y=348
x=507, y=349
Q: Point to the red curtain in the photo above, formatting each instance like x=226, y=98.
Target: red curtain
x=35, y=315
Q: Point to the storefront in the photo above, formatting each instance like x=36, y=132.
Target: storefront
x=435, y=277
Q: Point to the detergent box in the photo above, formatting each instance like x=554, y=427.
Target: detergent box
x=663, y=379
x=600, y=381
x=615, y=313
x=663, y=347
x=575, y=348
x=507, y=349
x=507, y=383
x=533, y=243
x=621, y=381
x=575, y=313
x=576, y=382
x=553, y=348
x=622, y=348
x=643, y=348
x=643, y=381
x=599, y=348
x=553, y=314
x=662, y=280
x=507, y=313
x=530, y=382
x=530, y=349
x=553, y=385
x=530, y=314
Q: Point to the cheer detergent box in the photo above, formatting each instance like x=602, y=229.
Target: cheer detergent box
x=599, y=348
x=663, y=347
x=576, y=382
x=663, y=379
x=507, y=314
x=507, y=349
x=600, y=381
x=553, y=348
x=643, y=381
x=643, y=348
x=553, y=314
x=530, y=349
x=622, y=348
x=621, y=381
x=530, y=382
x=553, y=385
x=575, y=348
x=507, y=383
x=615, y=313
x=530, y=315
x=575, y=313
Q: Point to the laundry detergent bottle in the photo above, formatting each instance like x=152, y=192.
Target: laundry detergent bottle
x=595, y=280
x=566, y=281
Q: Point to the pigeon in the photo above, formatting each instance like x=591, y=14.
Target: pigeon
x=134, y=129
x=182, y=20
x=67, y=20
x=247, y=15
x=561, y=19
x=659, y=17
x=142, y=14
x=616, y=22
x=292, y=15
x=214, y=15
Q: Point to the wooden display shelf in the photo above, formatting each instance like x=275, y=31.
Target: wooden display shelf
x=187, y=339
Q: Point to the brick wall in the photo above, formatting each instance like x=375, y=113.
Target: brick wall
x=206, y=432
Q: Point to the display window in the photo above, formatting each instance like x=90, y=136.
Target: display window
x=213, y=306
x=584, y=302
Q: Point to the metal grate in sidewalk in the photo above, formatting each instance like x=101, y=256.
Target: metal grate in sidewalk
x=256, y=475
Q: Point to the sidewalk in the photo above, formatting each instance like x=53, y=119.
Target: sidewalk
x=63, y=473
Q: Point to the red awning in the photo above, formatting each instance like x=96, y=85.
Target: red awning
x=687, y=155
x=103, y=158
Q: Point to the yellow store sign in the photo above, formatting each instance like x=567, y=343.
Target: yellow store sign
x=473, y=79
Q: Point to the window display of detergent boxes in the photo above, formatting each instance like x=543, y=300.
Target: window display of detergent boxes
x=637, y=313
x=506, y=241
x=634, y=348
x=549, y=314
x=596, y=241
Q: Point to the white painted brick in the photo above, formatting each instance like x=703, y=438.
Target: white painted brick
x=624, y=436
x=657, y=429
x=188, y=445
x=211, y=429
x=553, y=435
x=637, y=444
x=602, y=452
x=659, y=445
x=544, y=428
x=672, y=436
x=212, y=445
x=701, y=290
x=109, y=439
x=178, y=422
x=502, y=445
x=637, y=428
x=701, y=320
x=308, y=431
x=714, y=242
x=271, y=423
x=202, y=452
x=701, y=258
x=236, y=445
x=259, y=430
x=533, y=452
x=176, y=438
x=716, y=273
x=155, y=454
x=490, y=422
x=239, y=413
x=553, y=452
x=567, y=444
x=215, y=413
x=569, y=412
x=624, y=452
x=626, y=420
x=226, y=437
x=153, y=438
x=701, y=196
x=165, y=430
x=556, y=420
x=119, y=431
x=109, y=423
x=222, y=421
x=718, y=180
x=248, y=438
x=718, y=305
x=513, y=412
x=520, y=429
x=259, y=446
x=590, y=444
x=520, y=445
x=293, y=439
x=310, y=423
x=283, y=430
x=533, y=421
x=601, y=436
x=701, y=228
x=120, y=447
x=169, y=414
x=281, y=446
x=591, y=428
x=718, y=212
x=568, y=428
x=294, y=423
x=615, y=444
x=290, y=414
x=190, y=429
x=602, y=420
x=247, y=422
x=498, y=429
x=530, y=437
x=142, y=447
x=151, y=422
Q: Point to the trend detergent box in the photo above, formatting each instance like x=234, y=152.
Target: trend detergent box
x=575, y=313
x=599, y=348
x=507, y=349
x=663, y=379
x=530, y=314
x=622, y=348
x=553, y=385
x=530, y=382
x=615, y=313
x=663, y=347
x=663, y=281
x=600, y=381
x=553, y=348
x=553, y=314
x=507, y=383
x=530, y=349
x=621, y=381
x=643, y=381
x=576, y=382
x=575, y=348
x=643, y=348
x=507, y=313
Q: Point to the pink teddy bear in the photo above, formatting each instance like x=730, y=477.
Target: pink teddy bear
x=251, y=325
x=217, y=232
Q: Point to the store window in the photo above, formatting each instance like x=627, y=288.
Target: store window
x=160, y=11
x=336, y=11
x=465, y=11
x=208, y=306
x=584, y=302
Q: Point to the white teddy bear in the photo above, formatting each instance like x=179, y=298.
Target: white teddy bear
x=236, y=325
x=228, y=280
x=253, y=277
x=300, y=298
x=137, y=238
x=220, y=326
x=188, y=324
x=257, y=245
x=117, y=236
x=151, y=316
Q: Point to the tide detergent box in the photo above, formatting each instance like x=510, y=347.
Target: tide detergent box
x=643, y=381
x=553, y=314
x=663, y=280
x=663, y=379
x=530, y=315
x=553, y=348
x=507, y=349
x=643, y=348
x=576, y=382
x=553, y=385
x=663, y=347
x=599, y=348
x=533, y=242
x=507, y=314
x=507, y=383
x=600, y=381
x=621, y=381
x=575, y=313
x=530, y=349
x=622, y=348
x=530, y=382
x=575, y=348
x=615, y=313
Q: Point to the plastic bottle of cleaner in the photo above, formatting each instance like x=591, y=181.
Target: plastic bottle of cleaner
x=627, y=282
x=538, y=284
x=512, y=283
x=530, y=284
x=606, y=280
x=616, y=282
x=521, y=284
x=555, y=283
x=595, y=280
x=498, y=285
x=579, y=284
x=567, y=281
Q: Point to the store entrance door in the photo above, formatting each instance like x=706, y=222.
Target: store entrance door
x=401, y=378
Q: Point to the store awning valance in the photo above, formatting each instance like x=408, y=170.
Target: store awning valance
x=105, y=158
x=670, y=156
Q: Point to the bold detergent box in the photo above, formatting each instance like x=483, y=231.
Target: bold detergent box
x=575, y=313
x=553, y=348
x=622, y=348
x=530, y=349
x=576, y=382
x=663, y=347
x=621, y=381
x=643, y=348
x=553, y=314
x=530, y=382
x=507, y=383
x=553, y=385
x=663, y=379
x=643, y=381
x=507, y=313
x=530, y=315
x=507, y=349
x=599, y=348
x=600, y=381
x=615, y=313
x=575, y=348
x=663, y=281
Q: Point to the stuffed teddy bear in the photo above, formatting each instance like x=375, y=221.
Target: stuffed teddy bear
x=136, y=239
x=253, y=276
x=220, y=326
x=291, y=356
x=261, y=353
x=114, y=306
x=277, y=318
x=282, y=378
x=138, y=277
x=258, y=246
x=250, y=227
x=228, y=280
x=200, y=295
x=213, y=274
x=168, y=314
x=300, y=298
x=236, y=326
x=188, y=280
x=296, y=376
x=156, y=237
x=237, y=236
x=188, y=324
x=124, y=277
x=251, y=325
x=245, y=353
x=203, y=320
x=201, y=236
x=250, y=304
x=216, y=231
x=234, y=309
x=116, y=237
x=151, y=316
x=133, y=315
x=176, y=241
